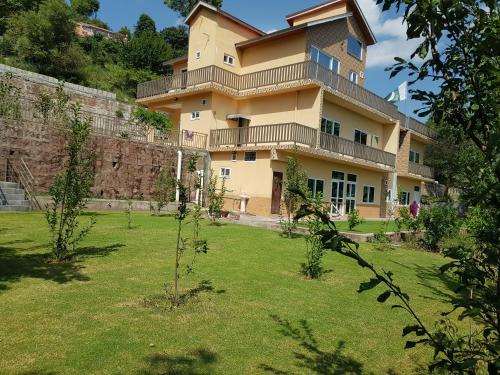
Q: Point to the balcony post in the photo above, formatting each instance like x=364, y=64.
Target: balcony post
x=318, y=138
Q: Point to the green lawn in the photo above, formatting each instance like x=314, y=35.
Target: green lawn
x=88, y=317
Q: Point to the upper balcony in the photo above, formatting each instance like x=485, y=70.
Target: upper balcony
x=302, y=73
x=417, y=127
x=421, y=170
x=305, y=137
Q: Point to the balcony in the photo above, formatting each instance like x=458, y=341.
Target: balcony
x=303, y=73
x=298, y=135
x=421, y=170
x=417, y=127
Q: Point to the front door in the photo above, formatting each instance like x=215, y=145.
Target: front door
x=416, y=194
x=243, y=131
x=277, y=189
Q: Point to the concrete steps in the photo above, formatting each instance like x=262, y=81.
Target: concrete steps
x=13, y=198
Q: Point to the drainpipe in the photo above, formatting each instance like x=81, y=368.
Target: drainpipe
x=179, y=174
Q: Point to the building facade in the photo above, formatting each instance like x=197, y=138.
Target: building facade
x=298, y=92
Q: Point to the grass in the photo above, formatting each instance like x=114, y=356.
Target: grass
x=254, y=313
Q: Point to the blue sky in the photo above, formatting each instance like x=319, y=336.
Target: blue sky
x=270, y=15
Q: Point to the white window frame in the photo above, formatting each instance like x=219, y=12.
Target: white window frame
x=315, y=189
x=352, y=73
x=331, y=59
x=364, y=132
x=234, y=156
x=229, y=60
x=333, y=125
x=407, y=200
x=195, y=115
x=415, y=153
x=204, y=102
x=197, y=55
x=374, y=191
x=360, y=58
x=250, y=161
x=225, y=172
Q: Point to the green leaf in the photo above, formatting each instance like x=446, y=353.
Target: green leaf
x=384, y=296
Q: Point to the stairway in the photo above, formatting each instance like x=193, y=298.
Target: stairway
x=13, y=198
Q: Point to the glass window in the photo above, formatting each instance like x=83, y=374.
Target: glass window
x=330, y=127
x=355, y=47
x=404, y=198
x=338, y=175
x=225, y=172
x=325, y=60
x=360, y=137
x=352, y=177
x=250, y=156
x=315, y=186
x=414, y=156
x=353, y=77
x=234, y=156
x=195, y=115
x=369, y=194
x=228, y=59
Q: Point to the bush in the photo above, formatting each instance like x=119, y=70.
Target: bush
x=152, y=119
x=354, y=219
x=407, y=221
x=439, y=223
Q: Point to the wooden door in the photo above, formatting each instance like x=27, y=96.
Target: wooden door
x=277, y=189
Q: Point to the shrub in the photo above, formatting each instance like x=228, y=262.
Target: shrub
x=215, y=197
x=296, y=180
x=439, y=222
x=354, y=219
x=10, y=106
x=152, y=119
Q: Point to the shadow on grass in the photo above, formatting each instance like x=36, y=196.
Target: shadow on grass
x=38, y=372
x=17, y=263
x=199, y=362
x=93, y=251
x=311, y=357
x=441, y=285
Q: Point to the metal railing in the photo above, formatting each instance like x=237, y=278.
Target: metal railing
x=114, y=127
x=297, y=134
x=265, y=134
x=18, y=171
x=307, y=70
x=421, y=170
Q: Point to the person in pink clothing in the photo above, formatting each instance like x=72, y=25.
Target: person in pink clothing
x=414, y=209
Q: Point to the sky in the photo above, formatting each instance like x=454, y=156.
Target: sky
x=270, y=16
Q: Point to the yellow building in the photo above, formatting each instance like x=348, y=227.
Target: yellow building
x=299, y=92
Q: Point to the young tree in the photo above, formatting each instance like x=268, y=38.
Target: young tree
x=145, y=24
x=8, y=8
x=146, y=51
x=71, y=189
x=177, y=37
x=184, y=7
x=296, y=179
x=215, y=197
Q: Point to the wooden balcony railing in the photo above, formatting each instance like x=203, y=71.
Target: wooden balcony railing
x=307, y=70
x=416, y=126
x=344, y=146
x=266, y=134
x=298, y=134
x=421, y=170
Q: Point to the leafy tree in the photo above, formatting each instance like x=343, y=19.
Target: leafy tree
x=145, y=24
x=9, y=8
x=354, y=219
x=215, y=197
x=45, y=39
x=178, y=38
x=99, y=23
x=85, y=8
x=296, y=179
x=146, y=51
x=459, y=48
x=184, y=7
x=125, y=31
x=71, y=188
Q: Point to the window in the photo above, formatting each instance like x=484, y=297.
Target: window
x=234, y=156
x=250, y=156
x=225, y=172
x=414, y=156
x=325, y=60
x=351, y=193
x=228, y=59
x=330, y=127
x=337, y=176
x=353, y=77
x=369, y=194
x=195, y=115
x=204, y=102
x=355, y=47
x=404, y=198
x=360, y=137
x=197, y=55
x=315, y=186
x=388, y=195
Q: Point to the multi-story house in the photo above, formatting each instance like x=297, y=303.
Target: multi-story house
x=298, y=92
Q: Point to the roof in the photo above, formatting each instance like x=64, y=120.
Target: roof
x=97, y=27
x=175, y=61
x=205, y=5
x=356, y=10
x=289, y=31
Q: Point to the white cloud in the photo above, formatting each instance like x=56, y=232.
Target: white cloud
x=391, y=36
